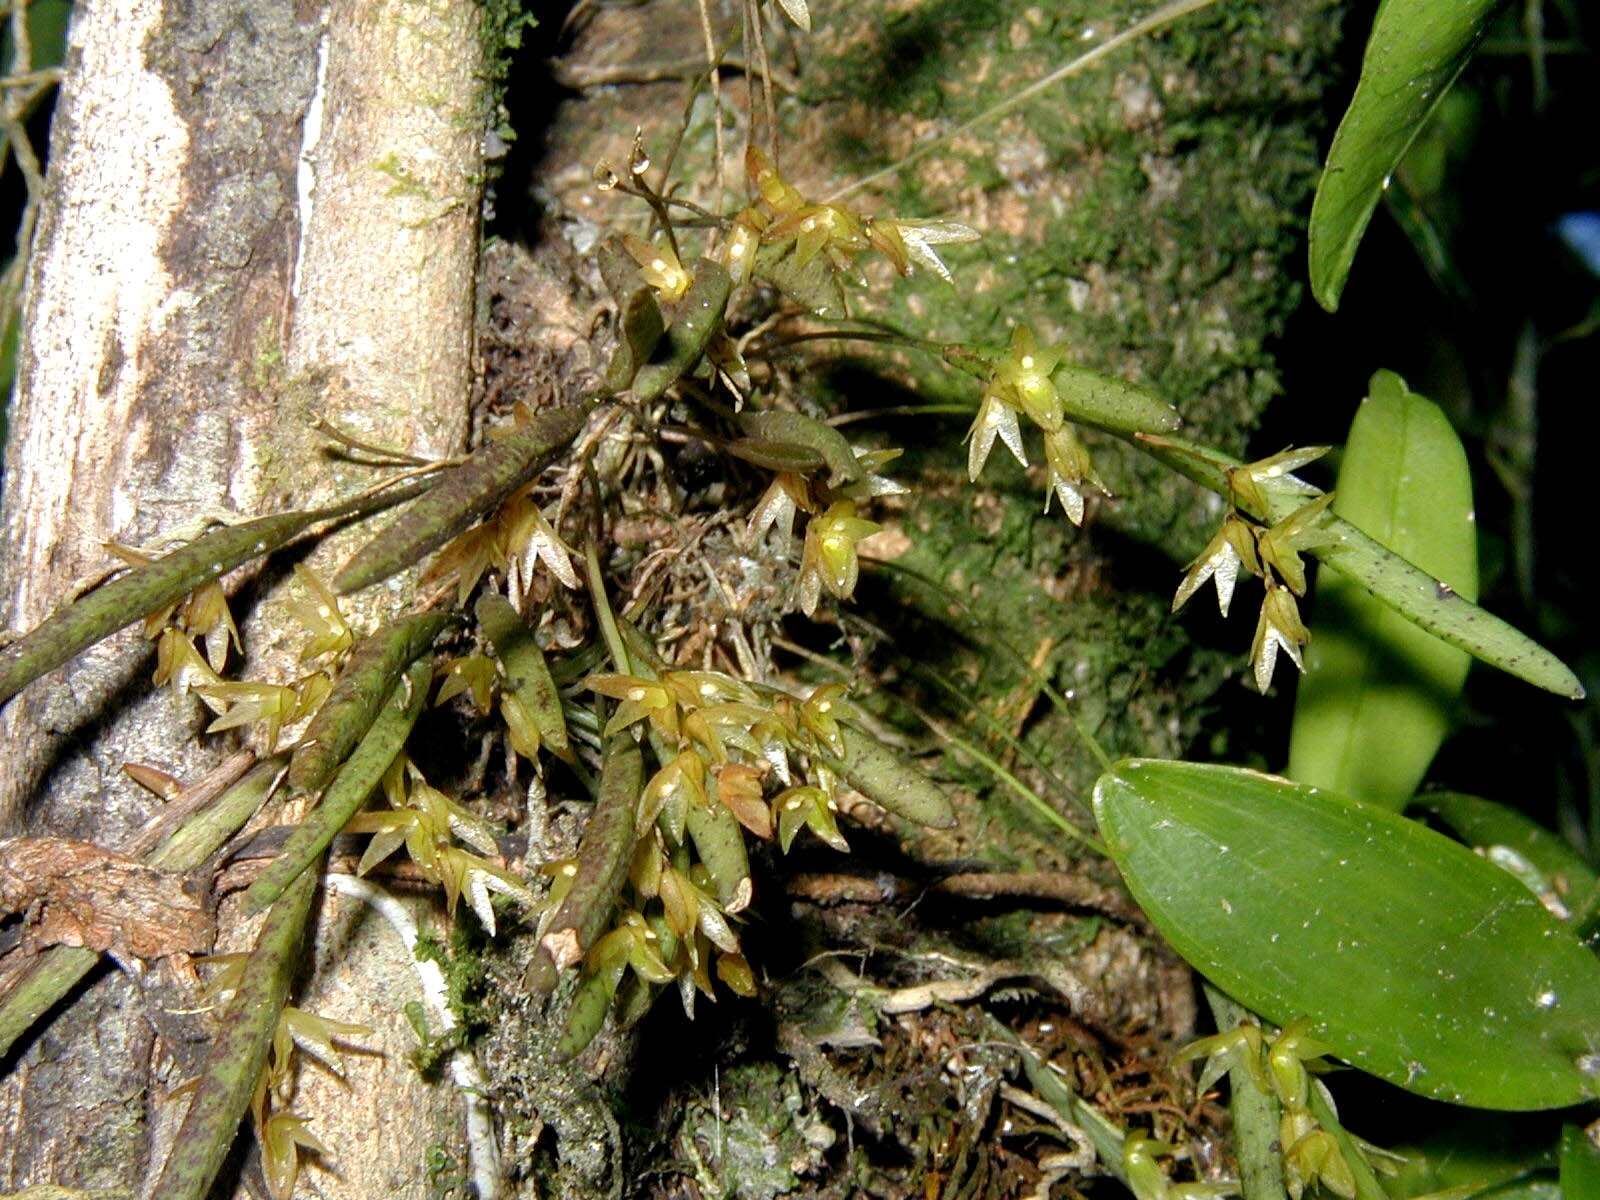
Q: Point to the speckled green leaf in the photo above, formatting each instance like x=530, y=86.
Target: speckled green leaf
x=1415, y=51
x=1110, y=403
x=1379, y=691
x=1416, y=959
x=698, y=315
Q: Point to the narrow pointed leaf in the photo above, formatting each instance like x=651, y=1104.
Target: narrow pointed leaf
x=527, y=674
x=368, y=679
x=698, y=316
x=1378, y=691
x=237, y=1056
x=353, y=783
x=464, y=494
x=1414, y=53
x=604, y=851
x=1414, y=958
x=813, y=284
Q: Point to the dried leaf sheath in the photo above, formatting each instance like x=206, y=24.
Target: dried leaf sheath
x=55, y=972
x=368, y=678
x=354, y=782
x=464, y=494
x=239, y=1053
x=603, y=855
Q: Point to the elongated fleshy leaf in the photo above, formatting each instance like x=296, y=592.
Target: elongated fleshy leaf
x=1378, y=691
x=603, y=855
x=237, y=1056
x=796, y=429
x=352, y=784
x=151, y=587
x=368, y=679
x=464, y=494
x=720, y=842
x=891, y=783
x=1403, y=586
x=1414, y=958
x=1414, y=53
x=1483, y=823
x=527, y=674
x=698, y=316
x=642, y=327
x=1112, y=404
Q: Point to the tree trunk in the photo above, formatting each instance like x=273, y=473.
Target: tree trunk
x=258, y=215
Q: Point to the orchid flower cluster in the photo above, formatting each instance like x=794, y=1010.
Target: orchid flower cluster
x=273, y=706
x=731, y=759
x=1282, y=1067
x=1018, y=385
x=1271, y=552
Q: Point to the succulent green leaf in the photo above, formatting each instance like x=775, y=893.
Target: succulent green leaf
x=1112, y=404
x=891, y=783
x=1580, y=1165
x=642, y=327
x=796, y=429
x=144, y=589
x=1414, y=958
x=464, y=494
x=527, y=674
x=1378, y=692
x=352, y=784
x=777, y=456
x=367, y=681
x=1482, y=823
x=603, y=854
x=719, y=840
x=237, y=1056
x=812, y=284
x=1414, y=53
x=699, y=315
x=591, y=1000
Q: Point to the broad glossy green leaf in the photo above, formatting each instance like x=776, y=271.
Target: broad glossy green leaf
x=1416, y=959
x=1378, y=691
x=1415, y=51
x=1480, y=822
x=1402, y=585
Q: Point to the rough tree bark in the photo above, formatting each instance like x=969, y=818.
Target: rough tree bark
x=258, y=214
